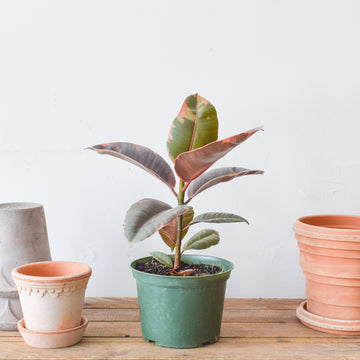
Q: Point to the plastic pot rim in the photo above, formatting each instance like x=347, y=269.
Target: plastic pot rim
x=201, y=258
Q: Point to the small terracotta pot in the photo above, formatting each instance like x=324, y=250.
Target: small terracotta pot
x=52, y=294
x=330, y=259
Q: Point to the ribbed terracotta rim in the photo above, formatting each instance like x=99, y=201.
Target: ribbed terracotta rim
x=21, y=327
x=326, y=324
x=305, y=226
x=23, y=272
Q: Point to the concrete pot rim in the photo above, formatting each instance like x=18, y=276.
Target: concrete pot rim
x=77, y=271
x=19, y=206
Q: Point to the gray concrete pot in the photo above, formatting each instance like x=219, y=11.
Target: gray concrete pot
x=23, y=239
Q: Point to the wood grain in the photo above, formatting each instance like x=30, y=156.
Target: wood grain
x=251, y=329
x=132, y=303
x=229, y=315
x=225, y=349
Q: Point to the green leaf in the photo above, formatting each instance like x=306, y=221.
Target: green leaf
x=162, y=258
x=202, y=240
x=140, y=156
x=168, y=232
x=190, y=165
x=147, y=216
x=195, y=126
x=218, y=217
x=216, y=176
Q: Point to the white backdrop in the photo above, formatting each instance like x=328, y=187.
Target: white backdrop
x=78, y=73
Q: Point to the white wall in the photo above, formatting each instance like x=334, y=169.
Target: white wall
x=79, y=73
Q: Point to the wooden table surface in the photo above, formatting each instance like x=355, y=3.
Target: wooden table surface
x=251, y=329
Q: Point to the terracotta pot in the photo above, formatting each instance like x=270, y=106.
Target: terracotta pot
x=23, y=240
x=330, y=259
x=52, y=294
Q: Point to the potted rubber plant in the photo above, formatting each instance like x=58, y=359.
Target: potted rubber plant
x=181, y=296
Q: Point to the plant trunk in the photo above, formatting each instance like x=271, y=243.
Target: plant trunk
x=179, y=221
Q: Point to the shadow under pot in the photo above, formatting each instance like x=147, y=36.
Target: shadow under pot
x=51, y=296
x=330, y=259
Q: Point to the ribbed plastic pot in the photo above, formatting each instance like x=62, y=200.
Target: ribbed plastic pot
x=330, y=258
x=182, y=312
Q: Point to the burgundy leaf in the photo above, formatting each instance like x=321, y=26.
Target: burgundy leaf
x=216, y=176
x=168, y=232
x=147, y=216
x=142, y=157
x=191, y=164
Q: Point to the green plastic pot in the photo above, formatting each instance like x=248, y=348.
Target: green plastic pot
x=182, y=312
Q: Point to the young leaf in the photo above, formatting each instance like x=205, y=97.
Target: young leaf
x=162, y=258
x=202, y=240
x=216, y=176
x=195, y=126
x=218, y=217
x=140, y=156
x=191, y=164
x=168, y=232
x=147, y=216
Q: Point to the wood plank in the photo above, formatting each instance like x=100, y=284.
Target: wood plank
x=7, y=334
x=235, y=330
x=137, y=349
x=231, y=315
x=251, y=329
x=110, y=303
x=264, y=304
x=135, y=340
x=132, y=303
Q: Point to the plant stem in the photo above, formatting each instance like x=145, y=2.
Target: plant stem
x=179, y=221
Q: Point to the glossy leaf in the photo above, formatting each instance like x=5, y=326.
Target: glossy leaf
x=168, y=232
x=218, y=217
x=147, y=216
x=216, y=176
x=192, y=164
x=162, y=258
x=140, y=156
x=195, y=126
x=202, y=240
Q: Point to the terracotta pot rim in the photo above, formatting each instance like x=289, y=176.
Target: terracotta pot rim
x=19, y=206
x=18, y=272
x=302, y=221
x=308, y=226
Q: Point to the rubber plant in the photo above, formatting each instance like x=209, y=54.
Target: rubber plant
x=193, y=147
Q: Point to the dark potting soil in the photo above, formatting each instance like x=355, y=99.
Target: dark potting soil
x=153, y=266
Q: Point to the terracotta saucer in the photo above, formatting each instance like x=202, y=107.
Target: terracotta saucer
x=53, y=339
x=332, y=326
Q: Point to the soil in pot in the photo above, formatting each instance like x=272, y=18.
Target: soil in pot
x=153, y=266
